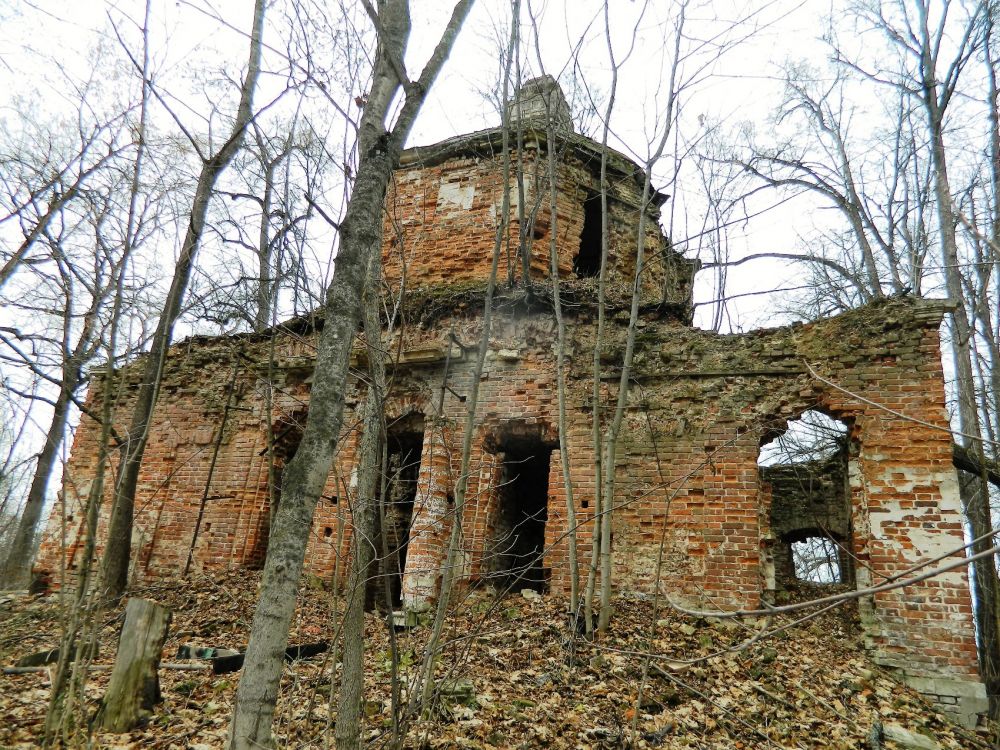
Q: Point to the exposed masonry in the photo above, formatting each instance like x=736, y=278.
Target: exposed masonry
x=700, y=405
x=807, y=499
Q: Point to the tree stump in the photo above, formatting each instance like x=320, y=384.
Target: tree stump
x=135, y=687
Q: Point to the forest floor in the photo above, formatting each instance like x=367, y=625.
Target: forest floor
x=534, y=684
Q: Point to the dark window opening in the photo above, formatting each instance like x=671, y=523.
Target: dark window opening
x=514, y=555
x=404, y=445
x=587, y=262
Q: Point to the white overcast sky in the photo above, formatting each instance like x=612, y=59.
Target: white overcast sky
x=743, y=85
x=45, y=43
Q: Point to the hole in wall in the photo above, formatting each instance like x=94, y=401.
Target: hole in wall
x=804, y=484
x=816, y=559
x=813, y=436
x=587, y=262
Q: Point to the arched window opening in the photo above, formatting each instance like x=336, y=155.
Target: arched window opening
x=816, y=559
x=813, y=436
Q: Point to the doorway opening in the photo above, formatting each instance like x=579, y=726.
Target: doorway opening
x=515, y=537
x=587, y=262
x=404, y=443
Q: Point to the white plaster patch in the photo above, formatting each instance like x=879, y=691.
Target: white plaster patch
x=930, y=541
x=948, y=487
x=497, y=208
x=455, y=195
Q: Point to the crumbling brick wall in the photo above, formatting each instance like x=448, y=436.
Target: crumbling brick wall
x=699, y=406
x=807, y=499
x=445, y=212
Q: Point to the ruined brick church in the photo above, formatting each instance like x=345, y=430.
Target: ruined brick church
x=700, y=407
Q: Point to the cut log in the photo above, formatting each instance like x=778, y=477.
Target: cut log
x=191, y=651
x=306, y=650
x=107, y=667
x=135, y=687
x=39, y=659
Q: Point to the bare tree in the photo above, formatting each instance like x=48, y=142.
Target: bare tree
x=263, y=227
x=306, y=474
x=81, y=333
x=62, y=293
x=118, y=550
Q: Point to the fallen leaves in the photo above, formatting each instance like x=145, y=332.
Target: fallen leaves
x=525, y=681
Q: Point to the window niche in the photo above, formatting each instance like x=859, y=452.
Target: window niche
x=804, y=474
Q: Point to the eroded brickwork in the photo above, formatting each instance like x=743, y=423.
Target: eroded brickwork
x=699, y=406
x=808, y=499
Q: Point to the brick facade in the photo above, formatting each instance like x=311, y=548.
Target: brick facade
x=699, y=407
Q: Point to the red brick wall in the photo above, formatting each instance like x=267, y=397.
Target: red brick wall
x=443, y=220
x=699, y=406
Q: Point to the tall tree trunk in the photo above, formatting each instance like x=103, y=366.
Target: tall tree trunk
x=363, y=515
x=16, y=572
x=118, y=548
x=421, y=695
x=59, y=714
x=975, y=496
x=265, y=291
x=574, y=566
x=600, y=517
x=307, y=472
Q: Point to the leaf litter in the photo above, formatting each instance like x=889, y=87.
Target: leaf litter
x=512, y=674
